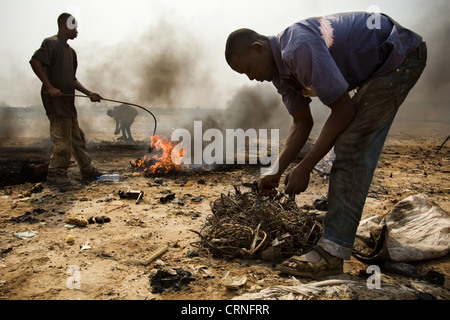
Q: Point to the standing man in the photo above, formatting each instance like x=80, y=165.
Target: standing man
x=55, y=64
x=328, y=57
x=124, y=116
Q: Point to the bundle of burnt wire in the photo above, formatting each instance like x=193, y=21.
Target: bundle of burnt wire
x=243, y=224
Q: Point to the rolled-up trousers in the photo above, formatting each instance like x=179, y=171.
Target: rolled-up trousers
x=358, y=150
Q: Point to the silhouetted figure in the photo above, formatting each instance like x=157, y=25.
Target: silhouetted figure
x=124, y=116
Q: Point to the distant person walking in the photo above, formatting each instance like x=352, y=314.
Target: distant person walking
x=124, y=116
x=55, y=64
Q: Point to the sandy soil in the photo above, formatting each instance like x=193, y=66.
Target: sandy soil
x=108, y=261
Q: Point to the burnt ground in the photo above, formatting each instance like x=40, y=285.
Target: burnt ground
x=108, y=261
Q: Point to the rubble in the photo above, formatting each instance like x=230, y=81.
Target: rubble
x=26, y=234
x=131, y=194
x=27, y=217
x=170, y=279
x=153, y=255
x=167, y=198
x=99, y=220
x=70, y=239
x=114, y=258
x=233, y=282
x=77, y=221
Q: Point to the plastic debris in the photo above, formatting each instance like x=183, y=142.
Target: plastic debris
x=323, y=167
x=26, y=234
x=204, y=272
x=85, y=246
x=171, y=279
x=109, y=177
x=233, y=283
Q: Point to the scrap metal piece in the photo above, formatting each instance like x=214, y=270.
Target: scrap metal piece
x=131, y=194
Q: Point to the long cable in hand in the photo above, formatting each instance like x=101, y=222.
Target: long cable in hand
x=117, y=101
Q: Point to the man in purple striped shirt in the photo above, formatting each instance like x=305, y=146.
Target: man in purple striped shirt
x=327, y=57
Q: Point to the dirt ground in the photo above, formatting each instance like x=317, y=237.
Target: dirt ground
x=109, y=261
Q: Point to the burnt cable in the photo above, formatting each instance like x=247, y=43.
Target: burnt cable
x=116, y=101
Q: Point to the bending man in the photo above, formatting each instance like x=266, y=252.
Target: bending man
x=327, y=57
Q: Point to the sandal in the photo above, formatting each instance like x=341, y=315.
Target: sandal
x=303, y=266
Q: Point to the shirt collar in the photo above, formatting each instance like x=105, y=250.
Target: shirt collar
x=282, y=75
x=282, y=71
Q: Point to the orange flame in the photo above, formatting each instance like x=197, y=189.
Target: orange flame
x=159, y=161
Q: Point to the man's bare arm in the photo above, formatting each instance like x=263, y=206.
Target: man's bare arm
x=95, y=97
x=298, y=135
x=38, y=69
x=342, y=112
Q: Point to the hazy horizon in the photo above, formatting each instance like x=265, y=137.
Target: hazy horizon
x=169, y=54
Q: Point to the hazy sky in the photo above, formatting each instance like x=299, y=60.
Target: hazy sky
x=114, y=34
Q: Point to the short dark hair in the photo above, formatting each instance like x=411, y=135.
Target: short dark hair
x=62, y=19
x=240, y=40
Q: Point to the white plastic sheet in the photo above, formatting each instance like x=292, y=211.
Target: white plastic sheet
x=415, y=229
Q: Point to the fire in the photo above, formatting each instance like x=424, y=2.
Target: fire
x=159, y=160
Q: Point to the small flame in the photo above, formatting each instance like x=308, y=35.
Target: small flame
x=159, y=161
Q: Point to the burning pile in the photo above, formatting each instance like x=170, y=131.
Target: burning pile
x=159, y=160
x=244, y=224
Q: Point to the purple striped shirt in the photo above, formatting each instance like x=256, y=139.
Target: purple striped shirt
x=328, y=56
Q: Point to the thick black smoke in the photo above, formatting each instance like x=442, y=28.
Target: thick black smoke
x=164, y=67
x=433, y=24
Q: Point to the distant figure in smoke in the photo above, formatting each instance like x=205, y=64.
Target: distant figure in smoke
x=55, y=64
x=124, y=116
x=327, y=57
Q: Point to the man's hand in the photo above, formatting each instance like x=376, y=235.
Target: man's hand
x=297, y=180
x=54, y=92
x=267, y=184
x=95, y=97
